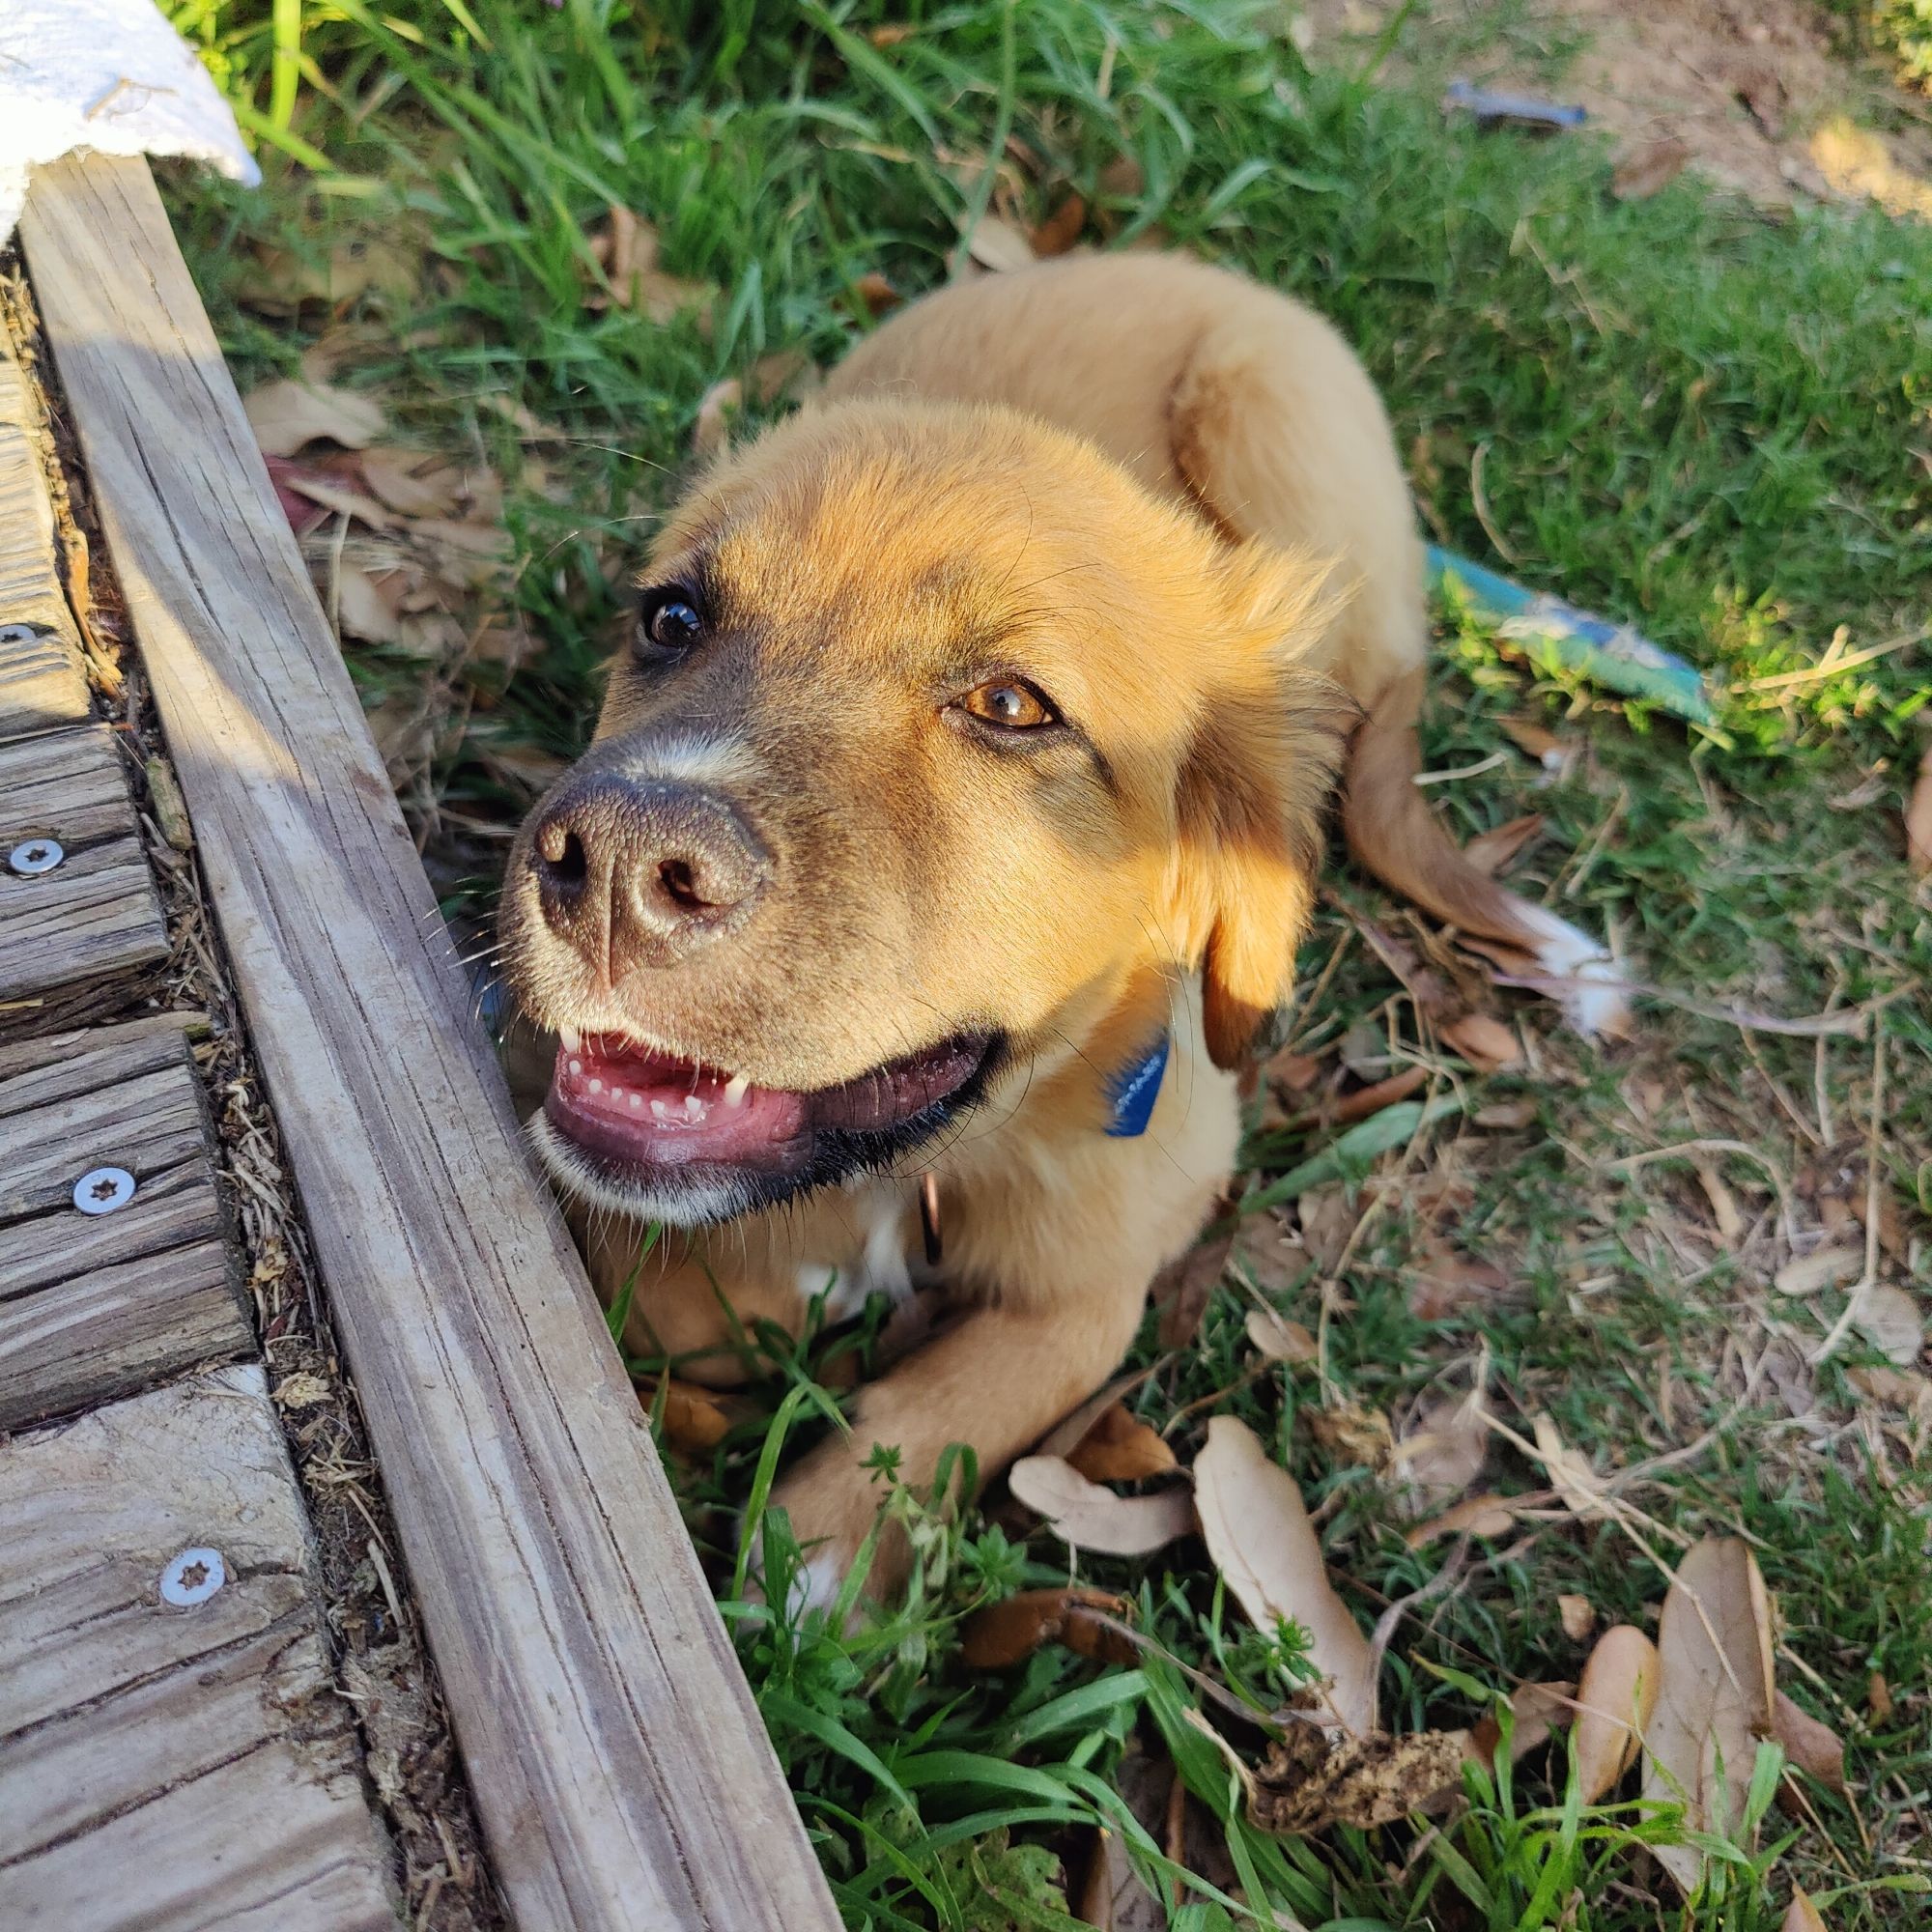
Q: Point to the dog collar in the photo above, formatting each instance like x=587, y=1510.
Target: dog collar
x=1132, y=1092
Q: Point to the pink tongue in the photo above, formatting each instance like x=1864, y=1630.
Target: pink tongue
x=649, y=1107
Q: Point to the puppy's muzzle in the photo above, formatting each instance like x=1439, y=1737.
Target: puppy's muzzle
x=636, y=872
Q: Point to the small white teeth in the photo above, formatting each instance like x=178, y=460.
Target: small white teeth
x=577, y=1067
x=695, y=1109
x=572, y=1040
x=636, y=1102
x=596, y=1085
x=735, y=1089
x=659, y=1110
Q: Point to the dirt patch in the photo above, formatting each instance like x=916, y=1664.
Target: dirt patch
x=1753, y=94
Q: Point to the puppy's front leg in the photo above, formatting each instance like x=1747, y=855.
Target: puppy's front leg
x=999, y=1381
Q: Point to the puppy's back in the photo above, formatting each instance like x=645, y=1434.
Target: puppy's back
x=1205, y=386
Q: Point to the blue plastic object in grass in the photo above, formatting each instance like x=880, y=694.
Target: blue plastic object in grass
x=1612, y=655
x=1492, y=109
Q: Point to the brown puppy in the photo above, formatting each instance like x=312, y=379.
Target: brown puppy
x=954, y=814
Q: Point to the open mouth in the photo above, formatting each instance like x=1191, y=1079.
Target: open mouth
x=650, y=1126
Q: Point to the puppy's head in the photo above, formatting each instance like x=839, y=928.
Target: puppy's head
x=936, y=735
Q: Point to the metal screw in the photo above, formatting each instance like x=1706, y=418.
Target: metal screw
x=35, y=857
x=102, y=1189
x=19, y=634
x=192, y=1578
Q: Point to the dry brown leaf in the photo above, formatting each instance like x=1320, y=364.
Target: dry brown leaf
x=1372, y=1098
x=368, y=606
x=417, y=482
x=876, y=293
x=1813, y=1746
x=287, y=416
x=693, y=1419
x=1292, y=1073
x=1123, y=178
x=1486, y=1044
x=1441, y=1454
x=1327, y=1216
x=1537, y=1712
x=1278, y=1338
x=1578, y=1615
x=1538, y=740
x=1070, y=1430
x=1919, y=818
x=1487, y=1515
x=1352, y=1432
x=1445, y=1283
x=1309, y=1781
x=1091, y=1517
x=1801, y=1916
x=1878, y=1697
x=1492, y=851
x=1267, y=1254
x=1713, y=1698
x=1730, y=1218
x=1061, y=229
x=1822, y=1267
x=1571, y=1475
x=1259, y=1538
x=1898, y=1388
x=1518, y=1113
x=1891, y=1320
x=1643, y=170
x=1180, y=1289
x=1112, y=1896
x=712, y=431
x=998, y=246
x=1616, y=1698
x=627, y=251
x=1121, y=1448
x=1008, y=1632
x=279, y=282
x=328, y=489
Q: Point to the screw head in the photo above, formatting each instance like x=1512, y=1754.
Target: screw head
x=192, y=1578
x=102, y=1189
x=34, y=856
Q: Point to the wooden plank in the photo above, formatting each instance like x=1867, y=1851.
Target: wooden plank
x=619, y=1766
x=96, y=912
x=41, y=684
x=167, y=1767
x=95, y=1305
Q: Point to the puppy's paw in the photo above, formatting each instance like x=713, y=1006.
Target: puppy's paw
x=832, y=1505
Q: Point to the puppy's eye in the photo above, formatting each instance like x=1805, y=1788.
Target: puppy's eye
x=669, y=619
x=1010, y=704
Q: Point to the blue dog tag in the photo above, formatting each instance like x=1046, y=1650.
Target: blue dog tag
x=1132, y=1092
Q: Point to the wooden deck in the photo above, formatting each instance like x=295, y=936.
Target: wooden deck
x=173, y=1752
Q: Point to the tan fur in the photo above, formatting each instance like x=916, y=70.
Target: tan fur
x=1205, y=558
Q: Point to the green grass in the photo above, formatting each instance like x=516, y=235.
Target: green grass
x=1705, y=422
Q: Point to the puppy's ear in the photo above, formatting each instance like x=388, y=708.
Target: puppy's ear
x=1258, y=777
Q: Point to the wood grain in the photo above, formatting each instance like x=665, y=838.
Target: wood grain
x=93, y=1306
x=96, y=912
x=41, y=684
x=165, y=1768
x=619, y=1763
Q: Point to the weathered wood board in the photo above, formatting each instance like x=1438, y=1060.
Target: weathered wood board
x=618, y=1763
x=166, y=1766
x=95, y=912
x=41, y=684
x=95, y=1305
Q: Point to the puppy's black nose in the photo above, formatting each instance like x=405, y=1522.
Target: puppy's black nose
x=642, y=872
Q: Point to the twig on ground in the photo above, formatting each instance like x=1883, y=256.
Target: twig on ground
x=1855, y=1300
